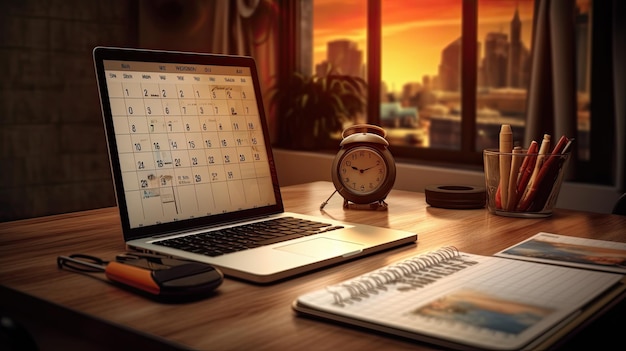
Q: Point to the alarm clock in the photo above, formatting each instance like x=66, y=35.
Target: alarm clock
x=364, y=170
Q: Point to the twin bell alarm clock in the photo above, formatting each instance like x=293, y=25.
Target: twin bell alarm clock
x=364, y=171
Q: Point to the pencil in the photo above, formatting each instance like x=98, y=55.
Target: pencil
x=531, y=188
x=506, y=147
x=514, y=176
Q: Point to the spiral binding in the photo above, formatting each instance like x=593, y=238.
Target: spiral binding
x=410, y=274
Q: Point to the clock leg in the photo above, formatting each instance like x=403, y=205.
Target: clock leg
x=375, y=206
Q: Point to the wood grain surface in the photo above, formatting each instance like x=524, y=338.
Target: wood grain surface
x=241, y=315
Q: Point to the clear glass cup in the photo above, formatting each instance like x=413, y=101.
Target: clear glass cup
x=530, y=193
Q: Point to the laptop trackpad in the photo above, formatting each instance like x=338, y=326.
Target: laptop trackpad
x=323, y=247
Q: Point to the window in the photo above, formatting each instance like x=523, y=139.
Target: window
x=422, y=72
x=439, y=103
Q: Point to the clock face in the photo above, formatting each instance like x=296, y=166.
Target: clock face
x=362, y=170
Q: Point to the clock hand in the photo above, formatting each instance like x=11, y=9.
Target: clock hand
x=363, y=170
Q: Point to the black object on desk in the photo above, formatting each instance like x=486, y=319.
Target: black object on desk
x=157, y=276
x=455, y=196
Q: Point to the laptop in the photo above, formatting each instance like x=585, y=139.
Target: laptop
x=192, y=167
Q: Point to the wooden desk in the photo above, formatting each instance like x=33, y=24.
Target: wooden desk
x=240, y=315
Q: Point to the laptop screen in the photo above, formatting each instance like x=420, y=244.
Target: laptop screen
x=187, y=136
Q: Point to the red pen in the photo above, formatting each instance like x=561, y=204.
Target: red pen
x=527, y=167
x=531, y=188
x=548, y=175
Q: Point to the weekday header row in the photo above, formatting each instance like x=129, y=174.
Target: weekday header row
x=130, y=70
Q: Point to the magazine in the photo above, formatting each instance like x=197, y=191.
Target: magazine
x=570, y=251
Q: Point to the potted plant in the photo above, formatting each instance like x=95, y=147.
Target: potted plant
x=311, y=109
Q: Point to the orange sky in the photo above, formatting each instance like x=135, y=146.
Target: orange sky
x=414, y=31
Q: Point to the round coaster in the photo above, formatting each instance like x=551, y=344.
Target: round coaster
x=455, y=196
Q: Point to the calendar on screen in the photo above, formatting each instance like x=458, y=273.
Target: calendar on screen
x=189, y=140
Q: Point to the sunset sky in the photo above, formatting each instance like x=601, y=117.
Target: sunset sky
x=414, y=31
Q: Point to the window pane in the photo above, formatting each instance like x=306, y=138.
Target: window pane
x=421, y=73
x=340, y=36
x=340, y=44
x=504, y=35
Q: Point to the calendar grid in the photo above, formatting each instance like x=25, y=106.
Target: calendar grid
x=189, y=144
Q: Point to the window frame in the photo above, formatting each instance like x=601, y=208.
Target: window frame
x=466, y=154
x=466, y=157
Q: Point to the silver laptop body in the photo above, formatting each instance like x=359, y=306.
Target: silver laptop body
x=190, y=153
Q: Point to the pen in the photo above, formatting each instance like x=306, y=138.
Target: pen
x=567, y=146
x=506, y=147
x=547, y=175
x=549, y=194
x=514, y=176
x=527, y=167
x=531, y=188
x=560, y=145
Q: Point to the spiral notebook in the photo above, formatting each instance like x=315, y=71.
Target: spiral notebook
x=462, y=300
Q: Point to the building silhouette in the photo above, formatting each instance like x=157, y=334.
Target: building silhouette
x=496, y=59
x=506, y=62
x=450, y=67
x=503, y=76
x=515, y=77
x=344, y=57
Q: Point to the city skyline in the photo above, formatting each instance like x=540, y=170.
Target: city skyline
x=439, y=21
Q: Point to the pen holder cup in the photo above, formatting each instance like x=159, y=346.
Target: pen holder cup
x=531, y=193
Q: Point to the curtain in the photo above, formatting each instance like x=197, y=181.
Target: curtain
x=232, y=31
x=246, y=27
x=619, y=88
x=552, y=93
x=249, y=28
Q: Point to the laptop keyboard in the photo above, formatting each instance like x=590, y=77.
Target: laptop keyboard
x=219, y=242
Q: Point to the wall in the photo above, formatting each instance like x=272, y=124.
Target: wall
x=296, y=167
x=53, y=154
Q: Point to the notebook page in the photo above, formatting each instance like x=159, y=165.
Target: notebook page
x=496, y=304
